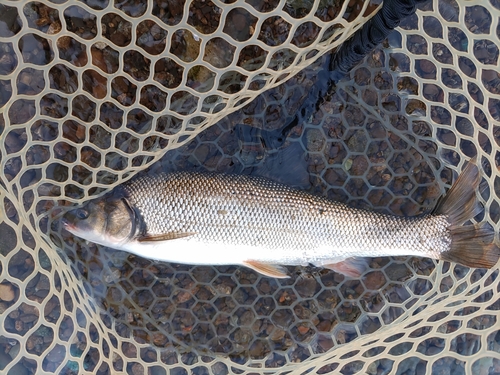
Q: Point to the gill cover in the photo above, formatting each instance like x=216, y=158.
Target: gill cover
x=109, y=220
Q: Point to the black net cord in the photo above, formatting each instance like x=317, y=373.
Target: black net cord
x=373, y=32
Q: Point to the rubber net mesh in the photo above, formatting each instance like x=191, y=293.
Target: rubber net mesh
x=92, y=92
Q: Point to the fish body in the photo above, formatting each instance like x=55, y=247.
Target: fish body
x=218, y=219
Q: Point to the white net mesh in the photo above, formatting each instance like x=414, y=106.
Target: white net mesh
x=93, y=92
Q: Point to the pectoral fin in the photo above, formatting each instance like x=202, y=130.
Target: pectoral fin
x=352, y=267
x=164, y=236
x=270, y=270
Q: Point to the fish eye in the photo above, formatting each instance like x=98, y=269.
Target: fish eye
x=82, y=214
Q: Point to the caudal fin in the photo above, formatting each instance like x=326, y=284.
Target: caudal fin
x=471, y=245
x=460, y=202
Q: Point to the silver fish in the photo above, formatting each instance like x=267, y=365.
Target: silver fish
x=219, y=219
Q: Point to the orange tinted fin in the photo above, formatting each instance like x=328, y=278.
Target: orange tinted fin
x=267, y=269
x=472, y=246
x=163, y=237
x=351, y=267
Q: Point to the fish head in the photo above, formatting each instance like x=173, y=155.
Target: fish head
x=109, y=221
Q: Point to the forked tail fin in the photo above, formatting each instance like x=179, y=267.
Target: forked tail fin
x=471, y=245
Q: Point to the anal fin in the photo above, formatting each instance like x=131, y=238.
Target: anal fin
x=351, y=267
x=267, y=269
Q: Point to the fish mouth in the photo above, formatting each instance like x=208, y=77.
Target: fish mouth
x=67, y=225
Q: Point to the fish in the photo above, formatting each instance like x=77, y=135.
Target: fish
x=223, y=219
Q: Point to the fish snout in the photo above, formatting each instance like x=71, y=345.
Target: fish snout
x=67, y=224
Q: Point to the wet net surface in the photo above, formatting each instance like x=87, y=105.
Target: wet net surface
x=93, y=93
